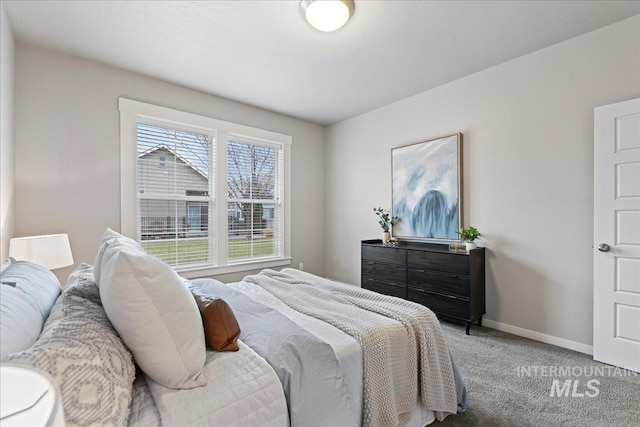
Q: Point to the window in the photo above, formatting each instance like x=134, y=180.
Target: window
x=253, y=171
x=173, y=192
x=181, y=172
x=197, y=219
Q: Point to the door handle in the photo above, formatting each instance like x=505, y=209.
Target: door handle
x=603, y=247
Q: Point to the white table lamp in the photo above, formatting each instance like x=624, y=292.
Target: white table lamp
x=28, y=397
x=51, y=251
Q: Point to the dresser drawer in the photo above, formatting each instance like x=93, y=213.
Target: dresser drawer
x=386, y=255
x=440, y=304
x=395, y=290
x=449, y=263
x=384, y=272
x=443, y=283
x=451, y=284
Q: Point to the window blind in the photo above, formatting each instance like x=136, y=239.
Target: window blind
x=175, y=188
x=255, y=183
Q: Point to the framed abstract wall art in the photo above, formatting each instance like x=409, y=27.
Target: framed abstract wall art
x=427, y=189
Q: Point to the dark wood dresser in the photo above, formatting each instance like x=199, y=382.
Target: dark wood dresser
x=451, y=284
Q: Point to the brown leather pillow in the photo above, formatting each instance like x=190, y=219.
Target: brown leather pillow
x=221, y=330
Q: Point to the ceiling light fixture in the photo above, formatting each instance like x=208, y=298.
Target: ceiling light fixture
x=327, y=15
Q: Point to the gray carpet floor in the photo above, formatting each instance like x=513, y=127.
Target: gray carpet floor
x=490, y=361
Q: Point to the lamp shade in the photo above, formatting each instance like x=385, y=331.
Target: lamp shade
x=51, y=251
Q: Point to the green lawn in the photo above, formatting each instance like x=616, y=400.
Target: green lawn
x=196, y=251
x=239, y=248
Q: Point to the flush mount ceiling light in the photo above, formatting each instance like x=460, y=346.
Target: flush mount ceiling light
x=327, y=15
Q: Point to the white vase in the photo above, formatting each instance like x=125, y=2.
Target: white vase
x=386, y=236
x=470, y=245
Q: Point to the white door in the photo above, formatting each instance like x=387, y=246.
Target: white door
x=616, y=232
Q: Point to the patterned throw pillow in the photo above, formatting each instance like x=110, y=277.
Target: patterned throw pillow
x=81, y=351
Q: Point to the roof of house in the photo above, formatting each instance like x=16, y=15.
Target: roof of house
x=177, y=155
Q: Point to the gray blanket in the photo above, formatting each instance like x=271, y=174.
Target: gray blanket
x=311, y=375
x=391, y=373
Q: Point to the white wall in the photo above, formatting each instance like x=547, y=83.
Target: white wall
x=528, y=174
x=7, y=134
x=67, y=151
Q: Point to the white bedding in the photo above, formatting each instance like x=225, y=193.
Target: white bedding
x=346, y=348
x=242, y=390
x=143, y=411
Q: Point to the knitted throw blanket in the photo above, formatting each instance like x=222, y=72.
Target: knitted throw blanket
x=405, y=354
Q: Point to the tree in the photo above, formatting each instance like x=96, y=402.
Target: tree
x=251, y=178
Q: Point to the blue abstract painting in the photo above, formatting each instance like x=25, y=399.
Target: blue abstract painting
x=426, y=189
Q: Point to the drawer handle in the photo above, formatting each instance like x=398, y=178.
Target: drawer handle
x=422, y=291
x=436, y=273
x=452, y=276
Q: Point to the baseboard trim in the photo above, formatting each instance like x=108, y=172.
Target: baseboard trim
x=538, y=336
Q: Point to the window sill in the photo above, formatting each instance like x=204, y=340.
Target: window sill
x=193, y=273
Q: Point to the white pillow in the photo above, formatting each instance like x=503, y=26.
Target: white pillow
x=109, y=237
x=154, y=314
x=80, y=349
x=27, y=293
x=6, y=265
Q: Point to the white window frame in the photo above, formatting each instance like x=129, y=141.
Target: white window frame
x=132, y=112
x=277, y=196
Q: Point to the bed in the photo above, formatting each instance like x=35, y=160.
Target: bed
x=297, y=364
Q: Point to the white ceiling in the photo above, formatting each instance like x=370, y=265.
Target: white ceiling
x=264, y=54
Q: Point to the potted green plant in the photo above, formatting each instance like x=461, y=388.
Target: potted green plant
x=386, y=221
x=469, y=235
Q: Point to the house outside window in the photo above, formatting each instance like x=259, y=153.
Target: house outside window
x=187, y=171
x=197, y=219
